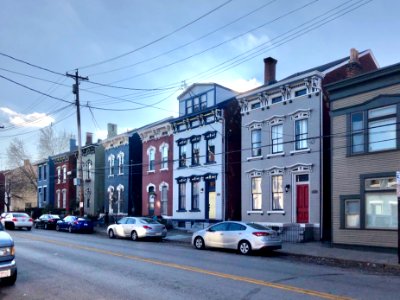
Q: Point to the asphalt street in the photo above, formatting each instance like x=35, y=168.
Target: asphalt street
x=60, y=265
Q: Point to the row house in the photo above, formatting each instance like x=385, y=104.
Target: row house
x=123, y=172
x=206, y=154
x=93, y=176
x=64, y=176
x=365, y=149
x=285, y=155
x=157, y=168
x=45, y=183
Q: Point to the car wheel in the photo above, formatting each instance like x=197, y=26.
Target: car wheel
x=45, y=226
x=29, y=228
x=199, y=243
x=134, y=236
x=10, y=280
x=111, y=234
x=244, y=247
x=58, y=228
x=70, y=229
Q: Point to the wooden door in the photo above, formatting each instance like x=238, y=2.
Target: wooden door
x=302, y=203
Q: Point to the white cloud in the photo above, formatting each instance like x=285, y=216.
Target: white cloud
x=35, y=119
x=240, y=85
x=249, y=41
x=101, y=134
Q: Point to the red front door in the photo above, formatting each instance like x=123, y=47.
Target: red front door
x=302, y=203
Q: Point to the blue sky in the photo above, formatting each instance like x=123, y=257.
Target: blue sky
x=169, y=42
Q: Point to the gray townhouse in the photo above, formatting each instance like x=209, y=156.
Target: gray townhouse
x=93, y=176
x=206, y=155
x=285, y=148
x=365, y=158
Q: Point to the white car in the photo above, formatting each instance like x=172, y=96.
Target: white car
x=240, y=236
x=136, y=228
x=14, y=220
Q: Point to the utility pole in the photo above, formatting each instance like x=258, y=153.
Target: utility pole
x=75, y=90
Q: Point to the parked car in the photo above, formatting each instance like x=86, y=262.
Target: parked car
x=75, y=224
x=136, y=228
x=2, y=216
x=244, y=237
x=8, y=266
x=14, y=220
x=47, y=221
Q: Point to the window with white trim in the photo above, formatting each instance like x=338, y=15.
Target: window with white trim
x=164, y=200
x=164, y=157
x=121, y=157
x=64, y=173
x=277, y=138
x=152, y=157
x=277, y=192
x=58, y=198
x=301, y=134
x=256, y=193
x=58, y=174
x=111, y=161
x=256, y=142
x=64, y=198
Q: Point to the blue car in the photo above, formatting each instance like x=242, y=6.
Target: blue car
x=75, y=224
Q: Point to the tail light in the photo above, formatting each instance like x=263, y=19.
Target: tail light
x=14, y=219
x=261, y=233
x=50, y=220
x=147, y=227
x=76, y=222
x=30, y=220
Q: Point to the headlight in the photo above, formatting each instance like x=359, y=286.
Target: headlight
x=7, y=251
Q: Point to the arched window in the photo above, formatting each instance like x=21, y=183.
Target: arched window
x=111, y=161
x=121, y=163
x=89, y=170
x=152, y=154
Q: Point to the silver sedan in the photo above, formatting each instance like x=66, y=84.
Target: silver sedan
x=137, y=227
x=241, y=236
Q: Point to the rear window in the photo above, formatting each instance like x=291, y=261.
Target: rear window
x=148, y=221
x=55, y=216
x=20, y=215
x=258, y=226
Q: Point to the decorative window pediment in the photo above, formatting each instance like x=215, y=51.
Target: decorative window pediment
x=275, y=120
x=254, y=125
x=300, y=168
x=276, y=171
x=300, y=114
x=255, y=172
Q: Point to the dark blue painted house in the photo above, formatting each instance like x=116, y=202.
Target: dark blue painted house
x=45, y=178
x=123, y=172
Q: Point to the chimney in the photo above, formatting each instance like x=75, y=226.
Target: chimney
x=269, y=70
x=111, y=130
x=72, y=145
x=89, y=138
x=354, y=67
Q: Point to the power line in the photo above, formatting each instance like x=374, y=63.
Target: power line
x=158, y=39
x=258, y=9
x=34, y=90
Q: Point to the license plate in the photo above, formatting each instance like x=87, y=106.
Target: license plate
x=6, y=273
x=85, y=224
x=158, y=233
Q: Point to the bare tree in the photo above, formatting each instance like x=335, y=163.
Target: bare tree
x=51, y=143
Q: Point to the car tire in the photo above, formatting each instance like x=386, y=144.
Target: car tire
x=28, y=228
x=244, y=247
x=199, y=243
x=70, y=229
x=111, y=234
x=45, y=226
x=134, y=236
x=57, y=228
x=10, y=280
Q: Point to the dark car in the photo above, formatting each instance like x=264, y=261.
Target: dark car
x=75, y=224
x=47, y=221
x=8, y=266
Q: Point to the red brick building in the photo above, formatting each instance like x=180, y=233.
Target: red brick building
x=64, y=188
x=157, y=168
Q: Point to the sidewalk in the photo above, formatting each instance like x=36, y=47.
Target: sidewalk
x=320, y=253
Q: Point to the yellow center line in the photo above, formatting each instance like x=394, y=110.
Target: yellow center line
x=198, y=270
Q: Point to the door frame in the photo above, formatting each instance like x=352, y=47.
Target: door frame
x=294, y=195
x=207, y=200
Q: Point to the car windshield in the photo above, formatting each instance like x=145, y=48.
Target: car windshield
x=148, y=221
x=257, y=226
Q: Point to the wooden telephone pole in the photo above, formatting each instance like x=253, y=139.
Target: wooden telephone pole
x=79, y=183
